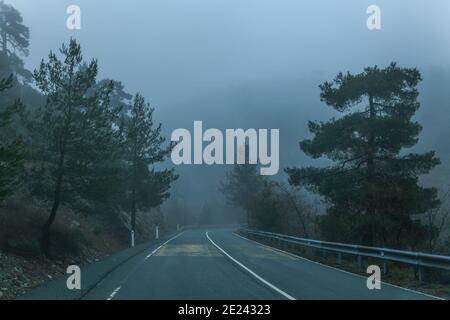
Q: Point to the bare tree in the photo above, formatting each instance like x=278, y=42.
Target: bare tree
x=437, y=220
x=296, y=203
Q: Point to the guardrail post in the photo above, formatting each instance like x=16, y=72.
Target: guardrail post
x=419, y=271
x=419, y=261
x=360, y=262
x=385, y=268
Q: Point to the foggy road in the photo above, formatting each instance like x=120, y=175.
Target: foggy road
x=218, y=264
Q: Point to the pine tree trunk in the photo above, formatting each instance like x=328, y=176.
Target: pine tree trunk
x=45, y=237
x=369, y=236
x=133, y=210
x=133, y=196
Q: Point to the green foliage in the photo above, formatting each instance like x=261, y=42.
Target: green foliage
x=11, y=148
x=142, y=145
x=12, y=30
x=257, y=195
x=267, y=212
x=89, y=145
x=152, y=187
x=74, y=134
x=241, y=187
x=373, y=189
x=75, y=127
x=14, y=38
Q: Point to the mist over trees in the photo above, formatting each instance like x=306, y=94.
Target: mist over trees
x=14, y=40
x=73, y=140
x=94, y=152
x=373, y=189
x=76, y=141
x=242, y=186
x=372, y=194
x=268, y=204
x=75, y=126
x=143, y=147
x=14, y=37
x=11, y=147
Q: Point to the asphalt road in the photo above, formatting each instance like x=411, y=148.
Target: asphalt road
x=218, y=264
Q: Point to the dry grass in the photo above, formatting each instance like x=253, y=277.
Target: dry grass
x=71, y=234
x=20, y=229
x=76, y=239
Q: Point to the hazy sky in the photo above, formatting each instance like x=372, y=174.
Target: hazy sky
x=187, y=47
x=247, y=63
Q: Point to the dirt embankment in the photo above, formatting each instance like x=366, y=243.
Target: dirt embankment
x=76, y=240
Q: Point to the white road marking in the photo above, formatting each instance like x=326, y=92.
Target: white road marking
x=111, y=296
x=250, y=271
x=330, y=267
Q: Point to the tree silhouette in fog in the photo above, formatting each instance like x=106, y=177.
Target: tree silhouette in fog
x=373, y=189
x=143, y=147
x=11, y=147
x=14, y=40
x=75, y=128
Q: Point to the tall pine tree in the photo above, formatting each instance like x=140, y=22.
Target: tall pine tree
x=14, y=41
x=143, y=147
x=243, y=185
x=14, y=35
x=373, y=188
x=11, y=147
x=74, y=132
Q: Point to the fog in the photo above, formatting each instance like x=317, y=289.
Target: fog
x=252, y=63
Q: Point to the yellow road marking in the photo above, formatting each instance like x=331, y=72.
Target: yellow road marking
x=190, y=250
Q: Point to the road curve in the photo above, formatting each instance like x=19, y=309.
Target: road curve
x=220, y=265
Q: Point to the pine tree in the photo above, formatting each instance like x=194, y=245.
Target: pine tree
x=94, y=162
x=242, y=186
x=14, y=34
x=143, y=148
x=11, y=148
x=267, y=211
x=373, y=188
x=14, y=40
x=74, y=131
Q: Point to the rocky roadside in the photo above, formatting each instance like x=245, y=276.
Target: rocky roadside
x=19, y=275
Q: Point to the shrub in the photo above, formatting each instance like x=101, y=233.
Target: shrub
x=20, y=230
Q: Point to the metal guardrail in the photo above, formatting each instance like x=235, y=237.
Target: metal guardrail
x=418, y=259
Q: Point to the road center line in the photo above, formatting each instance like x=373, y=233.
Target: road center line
x=111, y=296
x=250, y=271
